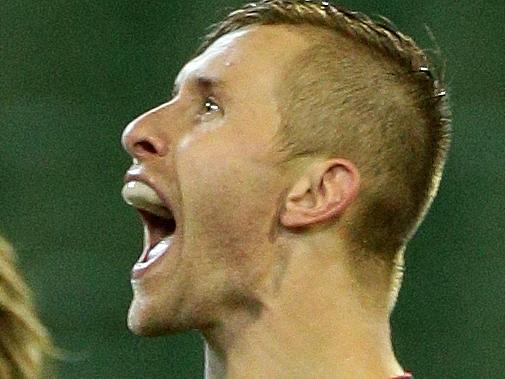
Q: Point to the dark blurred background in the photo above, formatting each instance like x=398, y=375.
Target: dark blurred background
x=74, y=73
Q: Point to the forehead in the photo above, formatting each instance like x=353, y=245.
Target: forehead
x=253, y=57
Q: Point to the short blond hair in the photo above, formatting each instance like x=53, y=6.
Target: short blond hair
x=366, y=92
x=24, y=342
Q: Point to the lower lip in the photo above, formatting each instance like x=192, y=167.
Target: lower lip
x=153, y=256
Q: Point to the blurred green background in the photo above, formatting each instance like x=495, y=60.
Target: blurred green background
x=74, y=73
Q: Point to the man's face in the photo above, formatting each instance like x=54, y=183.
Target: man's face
x=208, y=155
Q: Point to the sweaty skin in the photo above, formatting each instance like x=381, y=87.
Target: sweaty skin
x=270, y=302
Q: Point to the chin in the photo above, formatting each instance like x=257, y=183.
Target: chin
x=144, y=319
x=150, y=327
x=152, y=320
x=141, y=323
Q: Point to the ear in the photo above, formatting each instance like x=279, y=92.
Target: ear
x=322, y=193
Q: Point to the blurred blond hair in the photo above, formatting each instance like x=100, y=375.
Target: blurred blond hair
x=24, y=341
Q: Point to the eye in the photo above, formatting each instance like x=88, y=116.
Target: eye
x=210, y=106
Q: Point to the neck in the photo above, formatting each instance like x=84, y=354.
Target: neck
x=314, y=324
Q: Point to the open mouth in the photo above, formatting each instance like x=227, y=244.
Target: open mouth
x=158, y=230
x=158, y=219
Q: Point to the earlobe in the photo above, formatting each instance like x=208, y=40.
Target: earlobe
x=323, y=193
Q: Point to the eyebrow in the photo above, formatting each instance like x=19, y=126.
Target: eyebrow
x=203, y=83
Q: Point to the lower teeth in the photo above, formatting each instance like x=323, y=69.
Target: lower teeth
x=160, y=248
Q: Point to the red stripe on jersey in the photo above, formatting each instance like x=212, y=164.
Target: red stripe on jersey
x=406, y=375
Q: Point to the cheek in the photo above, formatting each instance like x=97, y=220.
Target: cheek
x=228, y=202
x=218, y=198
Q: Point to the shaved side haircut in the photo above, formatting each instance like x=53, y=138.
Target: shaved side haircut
x=365, y=92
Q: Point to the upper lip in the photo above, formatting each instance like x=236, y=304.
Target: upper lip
x=157, y=224
x=136, y=174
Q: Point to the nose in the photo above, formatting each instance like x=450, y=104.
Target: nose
x=142, y=137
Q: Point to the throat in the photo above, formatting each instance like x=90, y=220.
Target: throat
x=299, y=336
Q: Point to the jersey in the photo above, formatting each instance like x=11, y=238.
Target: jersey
x=406, y=375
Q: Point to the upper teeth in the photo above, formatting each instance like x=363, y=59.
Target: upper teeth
x=140, y=195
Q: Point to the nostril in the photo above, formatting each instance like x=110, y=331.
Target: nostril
x=145, y=146
x=138, y=145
